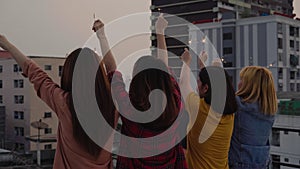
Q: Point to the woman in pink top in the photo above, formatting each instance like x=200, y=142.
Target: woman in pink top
x=75, y=150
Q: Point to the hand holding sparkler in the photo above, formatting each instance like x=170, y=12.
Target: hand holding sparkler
x=202, y=59
x=217, y=62
x=161, y=24
x=98, y=27
x=186, y=56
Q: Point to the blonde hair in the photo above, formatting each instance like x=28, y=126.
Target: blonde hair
x=258, y=85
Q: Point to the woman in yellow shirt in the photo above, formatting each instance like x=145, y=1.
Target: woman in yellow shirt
x=211, y=116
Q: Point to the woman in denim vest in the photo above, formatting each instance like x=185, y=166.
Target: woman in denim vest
x=253, y=122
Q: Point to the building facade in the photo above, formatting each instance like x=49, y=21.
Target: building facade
x=285, y=138
x=270, y=41
x=21, y=105
x=208, y=11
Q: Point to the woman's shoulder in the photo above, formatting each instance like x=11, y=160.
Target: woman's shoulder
x=246, y=106
x=252, y=110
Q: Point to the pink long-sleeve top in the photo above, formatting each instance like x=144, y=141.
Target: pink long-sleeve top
x=69, y=154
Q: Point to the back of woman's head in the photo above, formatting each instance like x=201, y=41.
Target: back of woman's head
x=257, y=84
x=103, y=97
x=211, y=75
x=150, y=73
x=68, y=69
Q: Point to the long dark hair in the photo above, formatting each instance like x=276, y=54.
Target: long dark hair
x=103, y=97
x=150, y=73
x=216, y=72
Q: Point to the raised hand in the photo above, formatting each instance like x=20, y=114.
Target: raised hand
x=161, y=24
x=4, y=43
x=162, y=52
x=184, y=82
x=202, y=59
x=16, y=54
x=217, y=62
x=186, y=56
x=98, y=27
x=108, y=57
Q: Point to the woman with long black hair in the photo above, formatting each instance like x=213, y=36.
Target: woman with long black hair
x=74, y=148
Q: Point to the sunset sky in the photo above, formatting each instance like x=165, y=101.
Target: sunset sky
x=55, y=27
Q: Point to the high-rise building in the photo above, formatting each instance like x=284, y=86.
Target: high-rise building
x=271, y=41
x=198, y=10
x=210, y=11
x=21, y=105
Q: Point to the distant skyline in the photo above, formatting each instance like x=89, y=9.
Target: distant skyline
x=54, y=27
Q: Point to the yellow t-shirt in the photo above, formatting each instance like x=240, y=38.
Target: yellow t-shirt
x=209, y=135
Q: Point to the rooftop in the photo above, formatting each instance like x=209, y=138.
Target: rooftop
x=6, y=55
x=288, y=95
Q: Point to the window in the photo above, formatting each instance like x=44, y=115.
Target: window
x=297, y=46
x=19, y=99
x=19, y=131
x=279, y=43
x=1, y=99
x=294, y=60
x=19, y=146
x=275, y=137
x=48, y=146
x=17, y=68
x=292, y=74
x=1, y=85
x=292, y=88
x=286, y=160
x=292, y=31
x=60, y=69
x=280, y=73
x=19, y=115
x=227, y=64
x=19, y=83
x=292, y=45
x=1, y=68
x=48, y=67
x=275, y=161
x=280, y=87
x=227, y=51
x=298, y=87
x=48, y=130
x=227, y=36
x=279, y=56
x=47, y=115
x=279, y=28
x=278, y=8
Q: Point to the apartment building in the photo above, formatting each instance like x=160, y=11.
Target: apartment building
x=209, y=11
x=20, y=106
x=285, y=138
x=271, y=41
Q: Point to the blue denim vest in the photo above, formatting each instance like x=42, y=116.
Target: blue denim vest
x=249, y=146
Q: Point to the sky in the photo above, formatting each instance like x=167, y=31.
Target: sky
x=56, y=27
x=297, y=8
